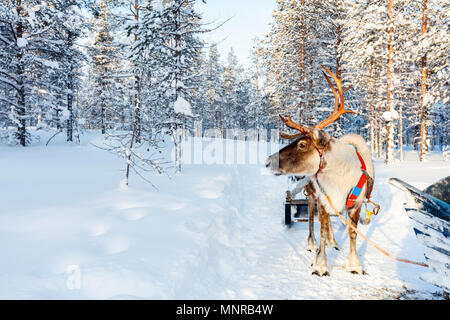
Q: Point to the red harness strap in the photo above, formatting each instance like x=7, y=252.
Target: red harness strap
x=356, y=191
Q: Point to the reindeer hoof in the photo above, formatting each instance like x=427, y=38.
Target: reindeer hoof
x=355, y=270
x=352, y=264
x=320, y=270
x=317, y=273
x=363, y=273
x=360, y=273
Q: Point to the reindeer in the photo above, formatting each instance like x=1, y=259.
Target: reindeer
x=340, y=171
x=304, y=183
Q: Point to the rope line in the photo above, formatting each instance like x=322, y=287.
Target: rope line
x=370, y=241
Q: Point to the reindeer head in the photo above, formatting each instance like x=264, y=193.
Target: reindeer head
x=303, y=156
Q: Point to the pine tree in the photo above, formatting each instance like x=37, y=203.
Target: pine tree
x=104, y=54
x=30, y=68
x=137, y=143
x=305, y=34
x=434, y=64
x=257, y=108
x=178, y=53
x=69, y=23
x=212, y=117
x=363, y=53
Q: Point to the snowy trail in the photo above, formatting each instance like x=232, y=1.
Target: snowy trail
x=281, y=267
x=213, y=232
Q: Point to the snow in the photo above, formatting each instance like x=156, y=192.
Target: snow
x=182, y=106
x=158, y=5
x=22, y=42
x=71, y=229
x=390, y=115
x=65, y=114
x=50, y=63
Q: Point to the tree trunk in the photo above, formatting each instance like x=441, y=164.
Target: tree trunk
x=70, y=93
x=372, y=114
x=175, y=133
x=423, y=113
x=21, y=111
x=137, y=84
x=416, y=137
x=302, y=64
x=390, y=87
x=379, y=140
x=103, y=109
x=338, y=61
x=400, y=132
x=133, y=138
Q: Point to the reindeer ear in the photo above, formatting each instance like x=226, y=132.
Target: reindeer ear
x=321, y=138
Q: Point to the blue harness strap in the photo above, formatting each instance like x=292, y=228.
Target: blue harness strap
x=356, y=191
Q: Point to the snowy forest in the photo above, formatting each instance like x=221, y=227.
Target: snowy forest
x=142, y=66
x=103, y=102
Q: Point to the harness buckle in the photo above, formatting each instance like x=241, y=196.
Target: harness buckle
x=368, y=213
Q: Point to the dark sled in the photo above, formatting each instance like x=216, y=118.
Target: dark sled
x=431, y=218
x=301, y=211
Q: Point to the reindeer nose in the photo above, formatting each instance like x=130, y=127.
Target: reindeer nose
x=268, y=162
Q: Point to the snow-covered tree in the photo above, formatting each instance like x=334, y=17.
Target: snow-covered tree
x=214, y=95
x=32, y=59
x=363, y=53
x=434, y=63
x=231, y=83
x=178, y=52
x=137, y=143
x=105, y=59
x=305, y=34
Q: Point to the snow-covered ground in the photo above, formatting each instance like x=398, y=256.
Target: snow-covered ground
x=212, y=232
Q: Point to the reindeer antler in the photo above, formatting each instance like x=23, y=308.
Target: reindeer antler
x=339, y=109
x=291, y=124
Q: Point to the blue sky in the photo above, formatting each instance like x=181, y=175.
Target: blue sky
x=249, y=18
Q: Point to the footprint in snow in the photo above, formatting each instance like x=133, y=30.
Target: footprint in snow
x=98, y=228
x=117, y=245
x=132, y=214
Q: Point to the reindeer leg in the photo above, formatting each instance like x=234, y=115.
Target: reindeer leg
x=311, y=244
x=352, y=264
x=331, y=240
x=320, y=266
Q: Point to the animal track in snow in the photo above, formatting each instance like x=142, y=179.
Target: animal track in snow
x=98, y=228
x=134, y=213
x=117, y=245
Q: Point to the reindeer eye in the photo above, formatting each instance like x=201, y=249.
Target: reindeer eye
x=302, y=145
